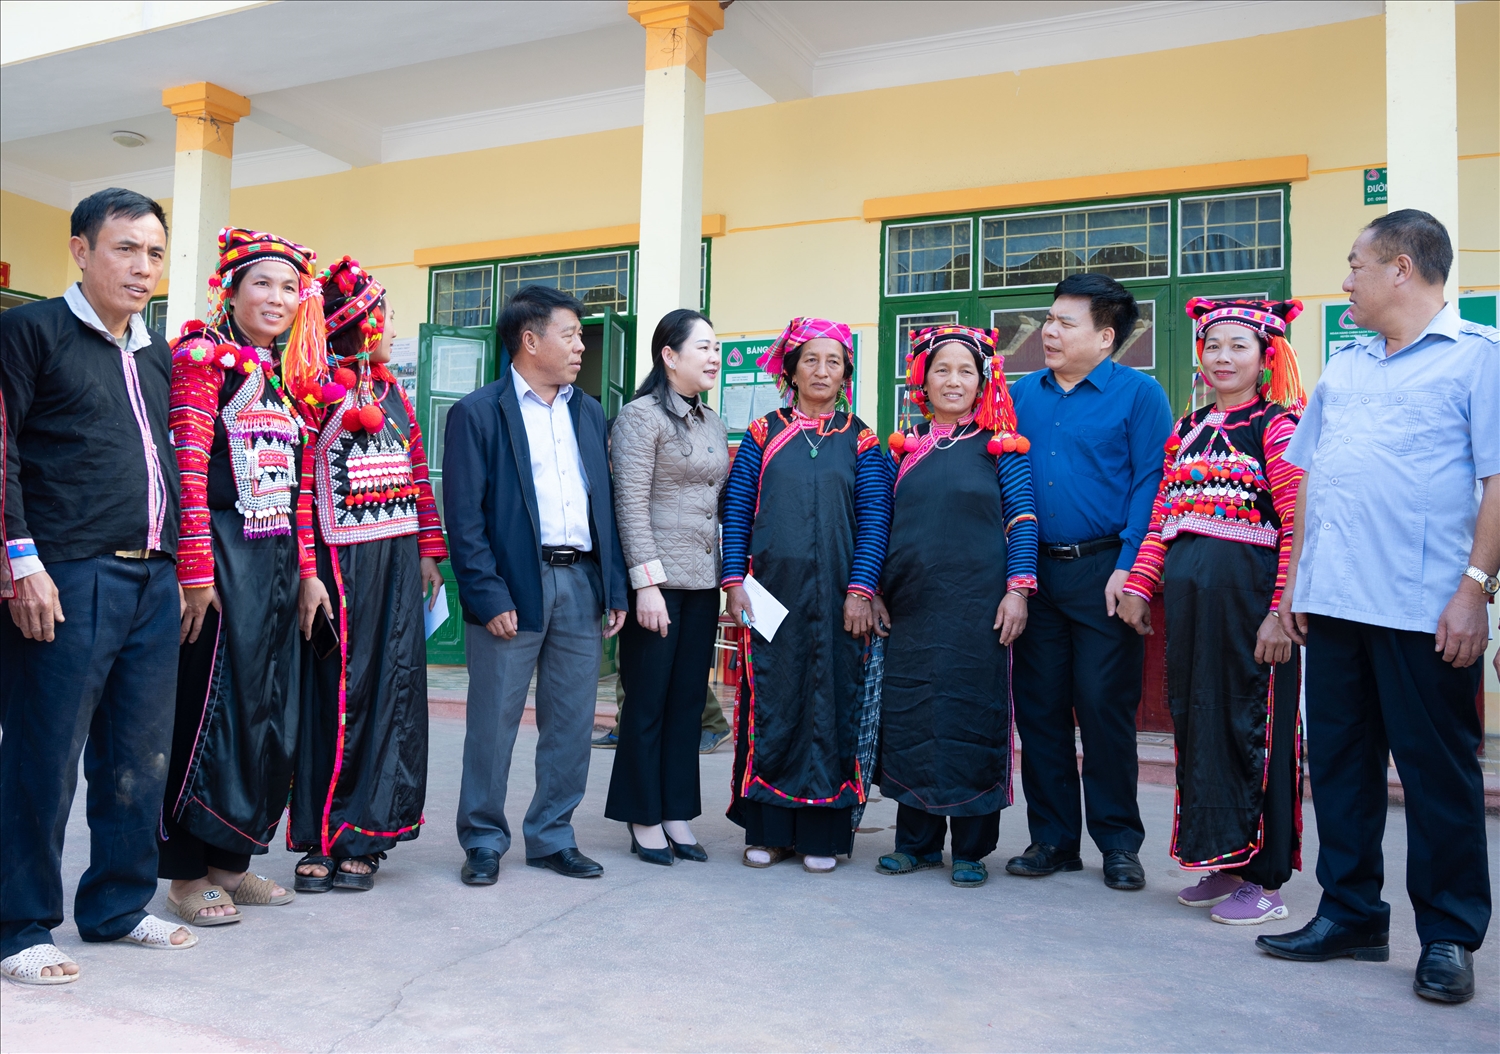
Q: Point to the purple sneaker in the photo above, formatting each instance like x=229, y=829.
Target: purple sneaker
x=1250, y=905
x=1210, y=890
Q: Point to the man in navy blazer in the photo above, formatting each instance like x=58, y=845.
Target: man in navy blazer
x=530, y=517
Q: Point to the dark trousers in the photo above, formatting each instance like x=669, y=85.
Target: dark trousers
x=810, y=830
x=922, y=833
x=1372, y=690
x=1075, y=659
x=184, y=856
x=655, y=774
x=104, y=689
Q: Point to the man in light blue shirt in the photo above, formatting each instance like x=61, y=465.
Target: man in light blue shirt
x=1394, y=558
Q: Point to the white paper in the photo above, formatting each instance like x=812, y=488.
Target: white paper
x=436, y=615
x=767, y=610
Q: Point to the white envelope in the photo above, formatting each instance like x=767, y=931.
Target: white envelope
x=438, y=614
x=768, y=611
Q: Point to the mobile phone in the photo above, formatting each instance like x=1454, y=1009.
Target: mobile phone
x=325, y=635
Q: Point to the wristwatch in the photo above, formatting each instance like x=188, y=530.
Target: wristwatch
x=1489, y=583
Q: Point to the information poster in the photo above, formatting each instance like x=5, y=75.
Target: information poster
x=1339, y=329
x=403, y=363
x=1375, y=186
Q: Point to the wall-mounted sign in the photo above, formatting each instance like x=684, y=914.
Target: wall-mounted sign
x=1375, y=186
x=1478, y=307
x=403, y=363
x=1339, y=329
x=4, y=275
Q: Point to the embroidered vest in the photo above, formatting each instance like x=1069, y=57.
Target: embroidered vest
x=262, y=444
x=365, y=487
x=1215, y=488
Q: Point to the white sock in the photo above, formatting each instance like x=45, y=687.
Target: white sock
x=820, y=863
x=649, y=837
x=758, y=856
x=679, y=832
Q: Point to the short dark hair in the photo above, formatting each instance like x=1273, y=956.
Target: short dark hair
x=1417, y=234
x=1110, y=303
x=90, y=213
x=531, y=309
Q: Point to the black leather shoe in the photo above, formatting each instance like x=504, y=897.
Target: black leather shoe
x=1445, y=973
x=1123, y=870
x=1043, y=859
x=694, y=852
x=1323, y=939
x=481, y=867
x=652, y=856
x=569, y=862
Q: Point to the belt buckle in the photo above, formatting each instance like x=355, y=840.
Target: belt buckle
x=1064, y=552
x=133, y=554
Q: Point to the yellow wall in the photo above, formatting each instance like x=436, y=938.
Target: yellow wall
x=34, y=241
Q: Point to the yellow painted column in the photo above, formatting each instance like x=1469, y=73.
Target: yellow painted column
x=677, y=33
x=206, y=115
x=1421, y=113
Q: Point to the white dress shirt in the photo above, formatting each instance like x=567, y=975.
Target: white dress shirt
x=562, y=487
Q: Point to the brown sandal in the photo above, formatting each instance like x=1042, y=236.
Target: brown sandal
x=257, y=889
x=190, y=907
x=776, y=853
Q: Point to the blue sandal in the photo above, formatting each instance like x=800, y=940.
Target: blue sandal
x=969, y=874
x=905, y=863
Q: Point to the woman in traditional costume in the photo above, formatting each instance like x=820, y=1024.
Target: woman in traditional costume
x=1218, y=548
x=369, y=517
x=961, y=564
x=237, y=430
x=807, y=514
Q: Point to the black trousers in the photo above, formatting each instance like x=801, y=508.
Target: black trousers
x=1074, y=658
x=183, y=855
x=1371, y=690
x=102, y=688
x=920, y=833
x=655, y=774
x=811, y=830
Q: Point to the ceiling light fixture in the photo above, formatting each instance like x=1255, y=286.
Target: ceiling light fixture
x=130, y=140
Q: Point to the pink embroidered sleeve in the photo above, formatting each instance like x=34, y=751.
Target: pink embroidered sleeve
x=307, y=559
x=1151, y=558
x=193, y=408
x=430, y=527
x=1284, y=478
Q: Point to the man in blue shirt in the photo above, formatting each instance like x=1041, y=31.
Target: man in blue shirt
x=1096, y=430
x=1393, y=558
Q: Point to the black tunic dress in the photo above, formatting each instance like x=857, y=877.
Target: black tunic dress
x=946, y=729
x=819, y=524
x=362, y=750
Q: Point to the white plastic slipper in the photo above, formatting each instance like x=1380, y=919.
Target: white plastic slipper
x=25, y=967
x=156, y=934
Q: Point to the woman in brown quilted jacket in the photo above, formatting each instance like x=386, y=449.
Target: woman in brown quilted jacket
x=669, y=456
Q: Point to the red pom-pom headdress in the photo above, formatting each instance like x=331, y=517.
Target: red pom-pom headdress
x=350, y=296
x=993, y=409
x=303, y=361
x=1281, y=381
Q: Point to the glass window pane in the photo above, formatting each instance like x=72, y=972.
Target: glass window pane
x=1237, y=233
x=930, y=258
x=1127, y=241
x=907, y=413
x=463, y=297
x=156, y=317
x=456, y=364
x=600, y=281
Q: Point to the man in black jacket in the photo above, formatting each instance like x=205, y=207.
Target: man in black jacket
x=530, y=517
x=90, y=645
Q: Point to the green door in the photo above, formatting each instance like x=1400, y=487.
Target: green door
x=616, y=373
x=451, y=363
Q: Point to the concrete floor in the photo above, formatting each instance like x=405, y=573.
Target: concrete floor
x=719, y=956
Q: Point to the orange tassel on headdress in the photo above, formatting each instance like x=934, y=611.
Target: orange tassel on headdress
x=304, y=363
x=1285, y=385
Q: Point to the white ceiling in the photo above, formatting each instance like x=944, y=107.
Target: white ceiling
x=340, y=84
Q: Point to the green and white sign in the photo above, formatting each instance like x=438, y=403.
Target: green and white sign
x=1339, y=329
x=745, y=393
x=1375, y=186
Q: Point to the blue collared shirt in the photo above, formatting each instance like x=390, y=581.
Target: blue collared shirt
x=1096, y=453
x=1393, y=447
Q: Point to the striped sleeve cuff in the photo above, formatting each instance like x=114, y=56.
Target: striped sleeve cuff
x=856, y=590
x=650, y=573
x=1021, y=583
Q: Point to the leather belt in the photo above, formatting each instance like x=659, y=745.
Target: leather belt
x=138, y=554
x=561, y=555
x=1082, y=549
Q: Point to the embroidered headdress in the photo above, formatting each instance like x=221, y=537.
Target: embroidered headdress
x=797, y=333
x=993, y=409
x=303, y=360
x=350, y=296
x=1281, y=381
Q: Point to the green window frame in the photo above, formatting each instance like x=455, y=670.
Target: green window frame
x=1159, y=246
